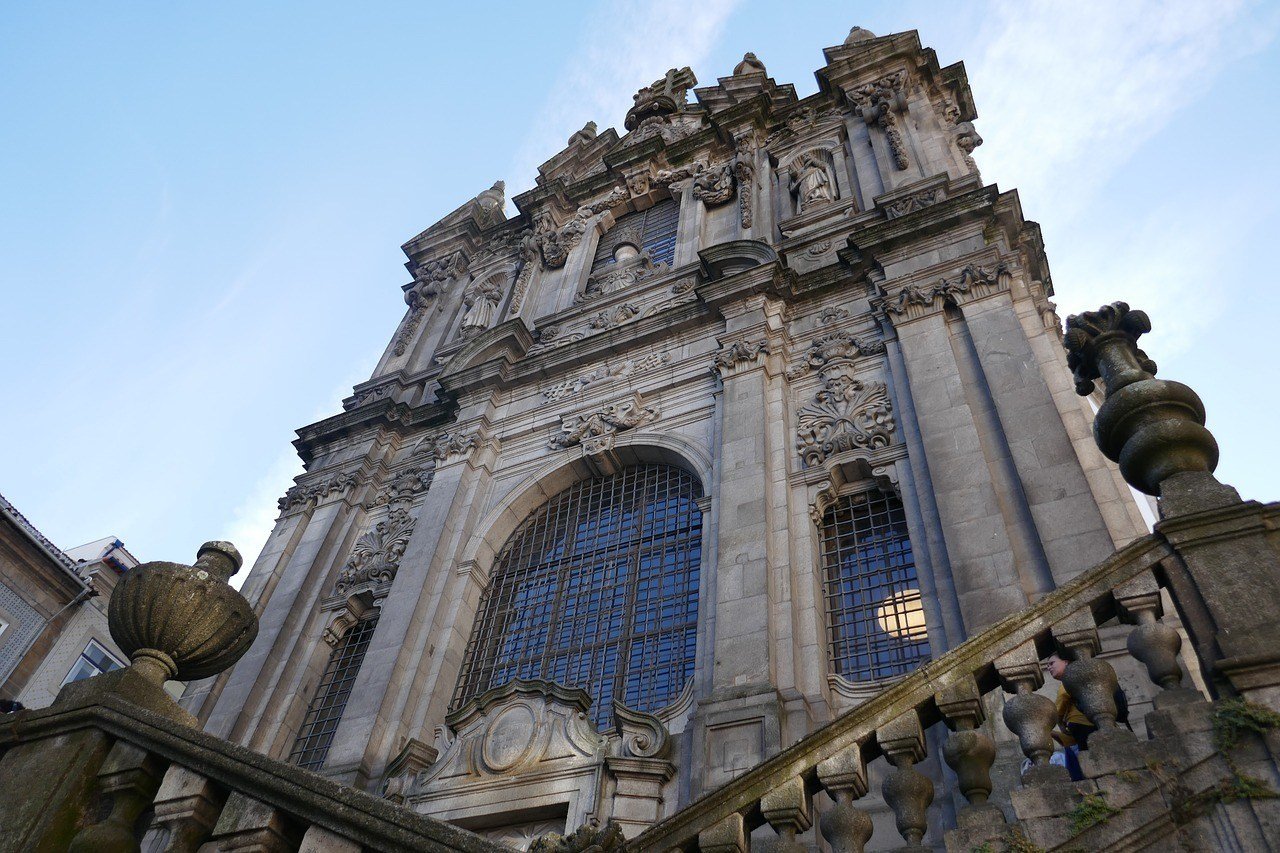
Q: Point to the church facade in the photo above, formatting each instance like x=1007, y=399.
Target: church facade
x=746, y=413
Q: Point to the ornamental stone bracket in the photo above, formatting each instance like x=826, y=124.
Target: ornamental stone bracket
x=349, y=610
x=973, y=282
x=740, y=355
x=451, y=447
x=598, y=430
x=831, y=349
x=851, y=476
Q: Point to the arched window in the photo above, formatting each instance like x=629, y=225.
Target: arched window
x=325, y=711
x=652, y=230
x=875, y=620
x=597, y=589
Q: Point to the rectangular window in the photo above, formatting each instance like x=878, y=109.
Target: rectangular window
x=94, y=660
x=325, y=711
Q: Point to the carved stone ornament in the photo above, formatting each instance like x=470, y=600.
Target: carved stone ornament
x=615, y=316
x=972, y=279
x=832, y=314
x=1085, y=331
x=451, y=445
x=811, y=180
x=912, y=203
x=588, y=838
x=845, y=414
x=429, y=281
x=298, y=495
x=629, y=366
x=622, y=274
x=405, y=485
x=481, y=301
x=833, y=348
x=375, y=559
x=745, y=172
x=738, y=352
x=597, y=431
x=643, y=735
x=878, y=104
x=714, y=186
x=967, y=139
x=182, y=622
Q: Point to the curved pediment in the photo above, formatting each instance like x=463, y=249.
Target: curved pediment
x=508, y=341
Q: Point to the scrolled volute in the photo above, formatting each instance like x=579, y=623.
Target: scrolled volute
x=643, y=735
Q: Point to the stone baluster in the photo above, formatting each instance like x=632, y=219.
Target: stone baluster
x=129, y=777
x=845, y=828
x=249, y=826
x=727, y=836
x=1152, y=643
x=907, y=791
x=186, y=810
x=1028, y=715
x=969, y=751
x=786, y=808
x=1089, y=679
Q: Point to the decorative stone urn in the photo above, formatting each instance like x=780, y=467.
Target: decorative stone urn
x=182, y=622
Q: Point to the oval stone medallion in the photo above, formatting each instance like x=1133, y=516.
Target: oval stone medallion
x=509, y=738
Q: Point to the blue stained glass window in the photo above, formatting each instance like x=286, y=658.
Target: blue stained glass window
x=654, y=226
x=597, y=589
x=875, y=619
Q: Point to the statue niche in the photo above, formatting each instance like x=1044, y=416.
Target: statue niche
x=811, y=180
x=481, y=301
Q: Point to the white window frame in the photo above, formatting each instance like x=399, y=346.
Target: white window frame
x=82, y=657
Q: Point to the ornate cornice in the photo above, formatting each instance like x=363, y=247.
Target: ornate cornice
x=972, y=282
x=300, y=495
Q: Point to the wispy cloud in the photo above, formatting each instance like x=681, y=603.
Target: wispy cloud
x=1069, y=94
x=1070, y=91
x=631, y=44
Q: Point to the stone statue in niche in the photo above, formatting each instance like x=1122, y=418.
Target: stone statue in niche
x=481, y=301
x=811, y=181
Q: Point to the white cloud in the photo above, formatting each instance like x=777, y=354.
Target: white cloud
x=253, y=520
x=632, y=43
x=1070, y=91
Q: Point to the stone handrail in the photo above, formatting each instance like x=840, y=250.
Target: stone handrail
x=200, y=787
x=1004, y=655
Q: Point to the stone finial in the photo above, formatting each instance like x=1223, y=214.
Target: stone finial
x=1153, y=428
x=585, y=135
x=750, y=64
x=493, y=198
x=857, y=35
x=182, y=622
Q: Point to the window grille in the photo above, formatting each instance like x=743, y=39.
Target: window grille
x=94, y=660
x=325, y=712
x=597, y=589
x=875, y=620
x=656, y=228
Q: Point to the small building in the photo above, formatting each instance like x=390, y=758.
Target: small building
x=53, y=610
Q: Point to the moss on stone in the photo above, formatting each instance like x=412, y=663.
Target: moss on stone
x=1091, y=811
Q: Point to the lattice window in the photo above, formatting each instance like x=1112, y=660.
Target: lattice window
x=875, y=620
x=654, y=229
x=597, y=589
x=325, y=711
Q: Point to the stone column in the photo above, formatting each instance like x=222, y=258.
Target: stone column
x=741, y=717
x=1066, y=518
x=983, y=561
x=401, y=643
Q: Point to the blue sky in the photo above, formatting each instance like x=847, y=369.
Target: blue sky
x=202, y=204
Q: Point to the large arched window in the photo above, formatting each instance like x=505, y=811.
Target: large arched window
x=597, y=589
x=652, y=230
x=875, y=621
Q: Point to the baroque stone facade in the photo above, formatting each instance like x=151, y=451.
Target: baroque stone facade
x=863, y=327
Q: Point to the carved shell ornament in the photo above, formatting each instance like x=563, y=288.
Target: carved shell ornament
x=376, y=555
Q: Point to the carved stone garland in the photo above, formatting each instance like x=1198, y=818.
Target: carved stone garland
x=598, y=430
x=971, y=278
x=739, y=352
x=429, y=281
x=878, y=104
